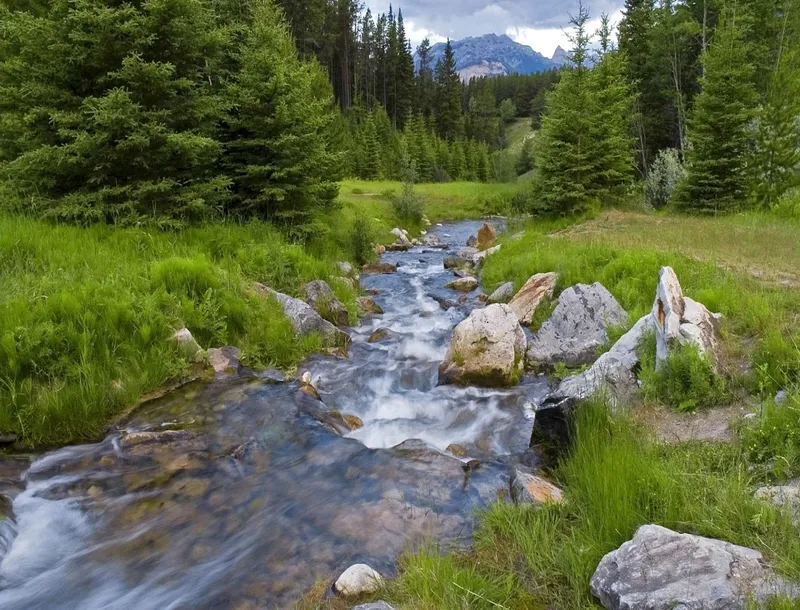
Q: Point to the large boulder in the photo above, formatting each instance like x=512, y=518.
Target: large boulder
x=487, y=236
x=486, y=349
x=785, y=497
x=357, y=580
x=660, y=569
x=578, y=327
x=481, y=256
x=535, y=290
x=305, y=320
x=680, y=320
x=319, y=295
x=503, y=294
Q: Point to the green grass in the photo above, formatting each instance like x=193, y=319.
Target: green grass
x=516, y=134
x=615, y=480
x=87, y=313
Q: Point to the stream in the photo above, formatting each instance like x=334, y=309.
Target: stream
x=247, y=498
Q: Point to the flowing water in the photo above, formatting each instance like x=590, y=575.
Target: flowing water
x=247, y=497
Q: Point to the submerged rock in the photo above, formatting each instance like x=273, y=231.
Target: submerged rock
x=529, y=489
x=535, y=290
x=577, y=328
x=319, y=295
x=660, y=569
x=382, y=333
x=464, y=284
x=165, y=437
x=487, y=236
x=307, y=386
x=503, y=294
x=357, y=580
x=367, y=305
x=305, y=320
x=486, y=349
x=378, y=268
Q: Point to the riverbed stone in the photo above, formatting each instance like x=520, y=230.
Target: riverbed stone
x=538, y=287
x=320, y=296
x=481, y=256
x=487, y=236
x=378, y=268
x=358, y=579
x=530, y=489
x=367, y=305
x=402, y=236
x=486, y=349
x=345, y=268
x=464, y=284
x=503, y=294
x=308, y=387
x=433, y=241
x=467, y=253
x=472, y=241
x=577, y=328
x=660, y=569
x=305, y=320
x=380, y=249
x=224, y=359
x=456, y=262
x=785, y=497
x=382, y=333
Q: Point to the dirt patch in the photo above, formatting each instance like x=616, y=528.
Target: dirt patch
x=712, y=425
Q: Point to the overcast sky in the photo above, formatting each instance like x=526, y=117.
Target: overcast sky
x=536, y=23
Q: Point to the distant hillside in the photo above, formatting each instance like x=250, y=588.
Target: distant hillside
x=492, y=55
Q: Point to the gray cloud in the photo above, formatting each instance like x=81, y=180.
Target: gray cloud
x=461, y=18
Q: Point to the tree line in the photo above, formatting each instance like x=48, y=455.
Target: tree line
x=699, y=99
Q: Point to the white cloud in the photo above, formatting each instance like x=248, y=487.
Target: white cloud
x=417, y=34
x=545, y=40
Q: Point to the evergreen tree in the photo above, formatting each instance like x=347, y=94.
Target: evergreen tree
x=277, y=148
x=448, y=96
x=118, y=124
x=525, y=159
x=370, y=154
x=564, y=176
x=425, y=82
x=404, y=76
x=719, y=131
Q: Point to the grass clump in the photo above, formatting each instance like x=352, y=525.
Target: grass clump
x=615, y=479
x=86, y=314
x=685, y=381
x=773, y=442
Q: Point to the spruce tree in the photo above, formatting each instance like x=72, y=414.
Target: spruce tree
x=118, y=124
x=718, y=175
x=370, y=153
x=425, y=83
x=448, y=96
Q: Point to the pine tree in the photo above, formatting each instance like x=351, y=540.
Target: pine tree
x=425, y=83
x=404, y=74
x=448, y=96
x=118, y=124
x=564, y=167
x=719, y=130
x=370, y=154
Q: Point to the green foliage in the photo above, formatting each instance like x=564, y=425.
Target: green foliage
x=718, y=175
x=525, y=159
x=86, y=314
x=360, y=240
x=508, y=110
x=773, y=442
x=448, y=97
x=666, y=173
x=686, y=380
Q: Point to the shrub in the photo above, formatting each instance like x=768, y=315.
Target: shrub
x=686, y=380
x=665, y=175
x=360, y=240
x=408, y=205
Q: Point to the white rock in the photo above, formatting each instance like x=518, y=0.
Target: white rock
x=786, y=497
x=357, y=580
x=186, y=343
x=528, y=298
x=464, y=284
x=503, y=294
x=224, y=359
x=402, y=236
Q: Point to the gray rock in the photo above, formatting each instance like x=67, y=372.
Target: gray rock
x=503, y=294
x=467, y=253
x=663, y=570
x=345, y=268
x=379, y=605
x=433, y=241
x=305, y=320
x=224, y=359
x=472, y=241
x=357, y=580
x=481, y=256
x=367, y=305
x=319, y=295
x=186, y=343
x=378, y=268
x=456, y=262
x=781, y=397
x=486, y=349
x=577, y=328
x=402, y=236
x=464, y=284
x=785, y=497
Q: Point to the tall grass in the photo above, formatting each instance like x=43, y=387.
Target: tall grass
x=86, y=313
x=616, y=479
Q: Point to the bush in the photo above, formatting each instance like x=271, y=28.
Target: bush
x=685, y=381
x=408, y=205
x=360, y=240
x=665, y=175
